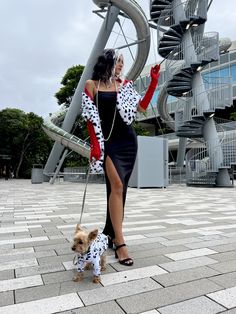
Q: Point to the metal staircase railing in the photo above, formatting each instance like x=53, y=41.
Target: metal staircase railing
x=200, y=169
x=218, y=92
x=206, y=51
x=171, y=29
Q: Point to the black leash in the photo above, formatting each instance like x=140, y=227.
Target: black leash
x=82, y=208
x=84, y=196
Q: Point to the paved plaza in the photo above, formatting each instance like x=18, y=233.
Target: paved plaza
x=182, y=240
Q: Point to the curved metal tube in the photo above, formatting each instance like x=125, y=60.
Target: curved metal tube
x=66, y=139
x=138, y=17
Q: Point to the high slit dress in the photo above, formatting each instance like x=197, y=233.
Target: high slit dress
x=121, y=146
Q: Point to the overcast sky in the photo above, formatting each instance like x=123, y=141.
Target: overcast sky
x=41, y=39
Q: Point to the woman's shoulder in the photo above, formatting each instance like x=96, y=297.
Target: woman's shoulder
x=90, y=88
x=90, y=83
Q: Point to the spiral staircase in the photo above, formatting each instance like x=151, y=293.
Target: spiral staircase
x=187, y=50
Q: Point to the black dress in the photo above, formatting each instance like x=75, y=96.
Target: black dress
x=121, y=146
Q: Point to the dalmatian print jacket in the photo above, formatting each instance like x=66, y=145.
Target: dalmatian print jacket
x=127, y=103
x=96, y=249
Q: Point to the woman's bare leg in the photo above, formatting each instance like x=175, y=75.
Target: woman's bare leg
x=116, y=206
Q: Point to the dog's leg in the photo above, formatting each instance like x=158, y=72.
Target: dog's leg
x=88, y=266
x=103, y=262
x=96, y=279
x=78, y=277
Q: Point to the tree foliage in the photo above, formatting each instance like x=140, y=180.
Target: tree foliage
x=140, y=130
x=69, y=81
x=64, y=96
x=233, y=116
x=23, y=139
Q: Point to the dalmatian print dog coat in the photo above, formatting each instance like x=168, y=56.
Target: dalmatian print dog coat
x=96, y=249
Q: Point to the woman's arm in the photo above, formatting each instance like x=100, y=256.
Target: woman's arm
x=89, y=88
x=95, y=151
x=144, y=102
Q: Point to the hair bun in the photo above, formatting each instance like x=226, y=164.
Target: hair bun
x=109, y=54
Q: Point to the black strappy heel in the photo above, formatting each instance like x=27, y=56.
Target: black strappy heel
x=127, y=261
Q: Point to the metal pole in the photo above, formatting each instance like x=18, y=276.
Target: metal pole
x=59, y=167
x=75, y=105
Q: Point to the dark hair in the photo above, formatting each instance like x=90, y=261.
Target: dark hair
x=102, y=70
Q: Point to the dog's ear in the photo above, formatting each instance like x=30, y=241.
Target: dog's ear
x=77, y=228
x=93, y=234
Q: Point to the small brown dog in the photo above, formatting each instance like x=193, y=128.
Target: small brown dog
x=90, y=248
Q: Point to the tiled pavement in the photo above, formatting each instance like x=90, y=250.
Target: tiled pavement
x=182, y=239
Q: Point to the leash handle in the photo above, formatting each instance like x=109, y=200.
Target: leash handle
x=84, y=196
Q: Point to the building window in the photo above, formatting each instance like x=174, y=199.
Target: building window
x=233, y=72
x=224, y=58
x=224, y=72
x=233, y=56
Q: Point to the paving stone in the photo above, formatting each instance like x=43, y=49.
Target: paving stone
x=52, y=246
x=13, y=252
x=51, y=290
x=24, y=242
x=18, y=264
x=28, y=256
x=188, y=275
x=166, y=296
x=133, y=274
x=226, y=256
x=190, y=254
x=225, y=280
x=35, y=243
x=35, y=270
x=19, y=283
x=7, y=274
x=141, y=262
x=225, y=267
x=233, y=311
x=225, y=297
x=55, y=259
x=104, y=308
x=58, y=276
x=212, y=243
x=118, y=291
x=45, y=306
x=193, y=306
x=186, y=264
x=6, y=298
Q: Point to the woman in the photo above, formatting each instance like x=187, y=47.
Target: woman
x=109, y=107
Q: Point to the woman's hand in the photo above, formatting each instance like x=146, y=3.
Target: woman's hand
x=155, y=72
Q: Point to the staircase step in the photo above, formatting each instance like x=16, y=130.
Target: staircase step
x=173, y=83
x=168, y=43
x=181, y=89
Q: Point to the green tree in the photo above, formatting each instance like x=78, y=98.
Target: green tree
x=69, y=81
x=140, y=130
x=64, y=96
x=23, y=139
x=233, y=116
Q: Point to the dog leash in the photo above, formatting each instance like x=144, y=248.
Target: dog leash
x=82, y=207
x=85, y=191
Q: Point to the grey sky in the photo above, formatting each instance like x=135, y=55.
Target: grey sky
x=41, y=39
